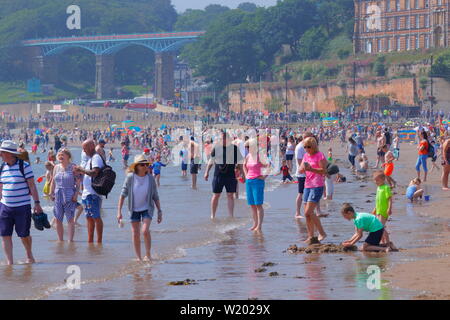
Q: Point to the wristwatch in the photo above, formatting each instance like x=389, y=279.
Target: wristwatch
x=159, y=211
x=37, y=202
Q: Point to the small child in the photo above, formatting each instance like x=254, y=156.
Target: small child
x=340, y=178
x=330, y=155
x=38, y=160
x=413, y=192
x=286, y=172
x=436, y=148
x=369, y=223
x=388, y=166
x=363, y=163
x=111, y=156
x=156, y=166
x=48, y=177
x=383, y=201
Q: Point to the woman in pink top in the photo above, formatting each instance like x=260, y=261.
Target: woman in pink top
x=314, y=165
x=254, y=184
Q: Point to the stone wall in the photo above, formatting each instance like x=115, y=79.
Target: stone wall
x=320, y=98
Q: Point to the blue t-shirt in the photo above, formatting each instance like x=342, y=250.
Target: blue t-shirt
x=157, y=167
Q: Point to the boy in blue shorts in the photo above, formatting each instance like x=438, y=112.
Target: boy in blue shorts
x=369, y=223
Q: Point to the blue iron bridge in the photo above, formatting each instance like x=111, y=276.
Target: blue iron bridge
x=110, y=44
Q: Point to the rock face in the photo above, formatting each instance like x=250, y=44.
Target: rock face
x=320, y=248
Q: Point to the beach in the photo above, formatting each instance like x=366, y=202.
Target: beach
x=221, y=257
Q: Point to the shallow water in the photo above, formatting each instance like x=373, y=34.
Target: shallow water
x=221, y=256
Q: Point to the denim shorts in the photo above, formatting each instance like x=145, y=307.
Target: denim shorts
x=312, y=194
x=255, y=191
x=15, y=217
x=138, y=216
x=92, y=205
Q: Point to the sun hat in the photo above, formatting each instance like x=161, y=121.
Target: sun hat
x=138, y=160
x=10, y=147
x=146, y=150
x=102, y=141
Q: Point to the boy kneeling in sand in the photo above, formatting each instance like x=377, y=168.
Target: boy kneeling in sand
x=369, y=223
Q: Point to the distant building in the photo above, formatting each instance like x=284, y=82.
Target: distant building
x=400, y=25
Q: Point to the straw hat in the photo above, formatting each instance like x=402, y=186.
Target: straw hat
x=10, y=147
x=140, y=158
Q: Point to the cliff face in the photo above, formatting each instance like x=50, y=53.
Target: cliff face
x=321, y=98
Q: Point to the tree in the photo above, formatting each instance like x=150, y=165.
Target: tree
x=248, y=7
x=312, y=43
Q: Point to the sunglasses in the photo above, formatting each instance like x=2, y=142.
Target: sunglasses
x=308, y=147
x=143, y=164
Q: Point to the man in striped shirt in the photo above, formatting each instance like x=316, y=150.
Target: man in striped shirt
x=16, y=185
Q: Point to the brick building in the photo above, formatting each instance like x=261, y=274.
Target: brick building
x=400, y=25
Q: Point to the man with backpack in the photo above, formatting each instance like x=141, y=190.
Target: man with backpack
x=92, y=201
x=16, y=184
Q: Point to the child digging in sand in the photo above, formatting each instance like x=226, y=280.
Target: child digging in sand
x=414, y=192
x=368, y=223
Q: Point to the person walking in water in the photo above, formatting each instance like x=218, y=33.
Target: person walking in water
x=255, y=182
x=227, y=160
x=314, y=165
x=142, y=192
x=64, y=191
x=91, y=200
x=17, y=184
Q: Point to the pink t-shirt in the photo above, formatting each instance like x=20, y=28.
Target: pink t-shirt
x=314, y=180
x=253, y=167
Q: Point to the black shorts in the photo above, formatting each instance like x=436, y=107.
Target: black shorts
x=374, y=238
x=301, y=184
x=380, y=153
x=230, y=184
x=289, y=157
x=287, y=177
x=194, y=168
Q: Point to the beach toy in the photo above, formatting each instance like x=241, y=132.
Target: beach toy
x=40, y=179
x=427, y=198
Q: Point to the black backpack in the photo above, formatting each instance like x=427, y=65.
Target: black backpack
x=430, y=151
x=104, y=181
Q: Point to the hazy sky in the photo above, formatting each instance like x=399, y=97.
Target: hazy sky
x=182, y=5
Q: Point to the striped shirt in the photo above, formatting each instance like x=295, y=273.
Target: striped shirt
x=15, y=191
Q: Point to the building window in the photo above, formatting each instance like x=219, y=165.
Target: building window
x=416, y=4
x=397, y=5
x=388, y=5
x=388, y=44
x=408, y=43
x=427, y=21
x=427, y=41
x=439, y=2
x=369, y=46
x=417, y=42
x=407, y=5
x=379, y=45
x=408, y=22
x=417, y=21
x=388, y=24
x=398, y=43
x=427, y=3
x=397, y=23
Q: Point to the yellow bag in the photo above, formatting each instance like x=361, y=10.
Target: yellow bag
x=46, y=189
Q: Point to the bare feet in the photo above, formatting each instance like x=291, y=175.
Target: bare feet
x=30, y=261
x=445, y=188
x=252, y=228
x=322, y=237
x=322, y=215
x=299, y=217
x=147, y=259
x=388, y=249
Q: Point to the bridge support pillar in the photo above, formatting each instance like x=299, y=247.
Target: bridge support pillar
x=104, y=76
x=165, y=82
x=45, y=68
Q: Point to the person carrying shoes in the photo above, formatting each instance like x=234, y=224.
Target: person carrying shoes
x=16, y=184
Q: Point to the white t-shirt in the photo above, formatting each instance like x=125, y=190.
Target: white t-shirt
x=299, y=154
x=97, y=162
x=140, y=193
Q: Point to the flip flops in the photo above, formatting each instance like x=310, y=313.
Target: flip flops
x=40, y=221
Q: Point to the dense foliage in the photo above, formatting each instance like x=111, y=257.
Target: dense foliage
x=240, y=44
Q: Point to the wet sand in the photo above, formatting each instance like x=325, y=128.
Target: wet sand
x=220, y=258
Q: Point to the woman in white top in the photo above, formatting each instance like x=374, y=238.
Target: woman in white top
x=141, y=190
x=290, y=150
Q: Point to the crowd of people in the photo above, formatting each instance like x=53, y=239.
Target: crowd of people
x=237, y=156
